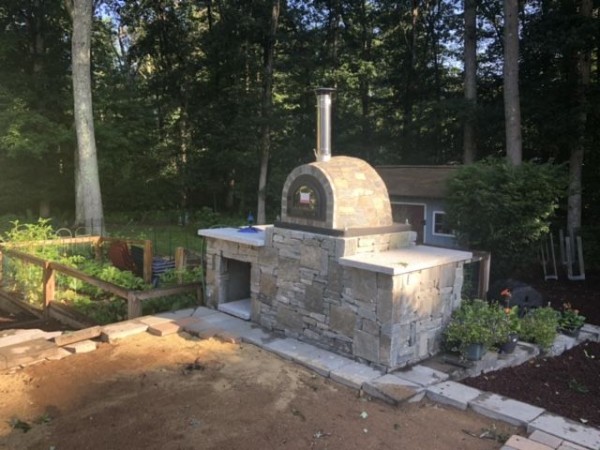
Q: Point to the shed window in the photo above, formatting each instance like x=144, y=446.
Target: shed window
x=440, y=225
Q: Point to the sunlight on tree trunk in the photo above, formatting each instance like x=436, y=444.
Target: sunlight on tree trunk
x=512, y=107
x=470, y=80
x=584, y=64
x=267, y=109
x=87, y=167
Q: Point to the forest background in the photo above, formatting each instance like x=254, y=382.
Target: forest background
x=192, y=98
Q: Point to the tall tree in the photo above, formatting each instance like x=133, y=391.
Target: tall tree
x=584, y=64
x=266, y=110
x=470, y=80
x=89, y=209
x=512, y=106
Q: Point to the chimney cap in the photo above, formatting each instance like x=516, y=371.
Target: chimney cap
x=324, y=90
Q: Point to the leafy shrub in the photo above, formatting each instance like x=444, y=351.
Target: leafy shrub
x=539, y=326
x=476, y=322
x=497, y=207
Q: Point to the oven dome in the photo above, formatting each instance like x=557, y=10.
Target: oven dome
x=340, y=194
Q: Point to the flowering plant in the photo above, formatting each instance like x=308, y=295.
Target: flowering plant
x=570, y=319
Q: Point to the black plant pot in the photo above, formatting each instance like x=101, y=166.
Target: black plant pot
x=510, y=345
x=573, y=332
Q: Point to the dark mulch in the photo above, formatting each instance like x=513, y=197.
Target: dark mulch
x=583, y=295
x=569, y=384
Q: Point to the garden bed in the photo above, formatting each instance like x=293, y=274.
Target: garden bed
x=569, y=384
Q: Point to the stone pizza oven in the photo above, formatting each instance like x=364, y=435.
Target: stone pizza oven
x=335, y=196
x=335, y=270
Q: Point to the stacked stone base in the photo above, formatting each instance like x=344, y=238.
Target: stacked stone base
x=388, y=320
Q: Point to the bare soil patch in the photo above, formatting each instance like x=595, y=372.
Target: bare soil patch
x=178, y=392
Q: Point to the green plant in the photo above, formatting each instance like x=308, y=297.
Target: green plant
x=539, y=326
x=474, y=322
x=570, y=319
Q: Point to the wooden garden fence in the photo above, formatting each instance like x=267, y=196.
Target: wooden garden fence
x=134, y=297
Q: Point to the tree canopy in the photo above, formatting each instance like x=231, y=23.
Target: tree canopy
x=179, y=103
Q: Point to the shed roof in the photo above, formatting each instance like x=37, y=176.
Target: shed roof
x=417, y=181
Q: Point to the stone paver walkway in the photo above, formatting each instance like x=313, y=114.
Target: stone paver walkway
x=546, y=431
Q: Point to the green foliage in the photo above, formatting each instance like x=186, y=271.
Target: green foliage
x=504, y=209
x=570, y=319
x=476, y=322
x=172, y=303
x=539, y=326
x=103, y=311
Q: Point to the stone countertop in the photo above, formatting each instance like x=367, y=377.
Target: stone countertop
x=405, y=260
x=254, y=238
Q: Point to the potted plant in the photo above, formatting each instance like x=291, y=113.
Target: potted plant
x=540, y=326
x=570, y=321
x=511, y=325
x=510, y=331
x=471, y=330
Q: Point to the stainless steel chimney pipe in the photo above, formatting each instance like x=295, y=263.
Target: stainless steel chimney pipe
x=323, y=151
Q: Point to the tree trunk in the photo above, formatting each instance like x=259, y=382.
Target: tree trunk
x=408, y=89
x=266, y=112
x=470, y=80
x=87, y=173
x=584, y=63
x=512, y=107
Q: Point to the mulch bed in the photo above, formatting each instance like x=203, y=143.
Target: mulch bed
x=569, y=384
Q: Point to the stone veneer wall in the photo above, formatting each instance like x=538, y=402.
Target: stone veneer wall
x=217, y=251
x=300, y=289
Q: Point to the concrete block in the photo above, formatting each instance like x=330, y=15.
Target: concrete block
x=505, y=409
x=422, y=375
x=567, y=430
x=570, y=446
x=25, y=353
x=321, y=361
x=13, y=337
x=164, y=328
x=174, y=315
x=187, y=321
x=122, y=330
x=152, y=320
x=354, y=375
x=59, y=354
x=391, y=389
x=545, y=438
x=453, y=394
x=288, y=348
x=257, y=336
x=561, y=344
x=79, y=335
x=81, y=346
x=522, y=443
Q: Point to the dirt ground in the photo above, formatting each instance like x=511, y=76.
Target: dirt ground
x=178, y=392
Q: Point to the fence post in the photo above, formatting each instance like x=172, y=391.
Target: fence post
x=98, y=249
x=484, y=274
x=134, y=306
x=179, y=263
x=148, y=261
x=49, y=287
